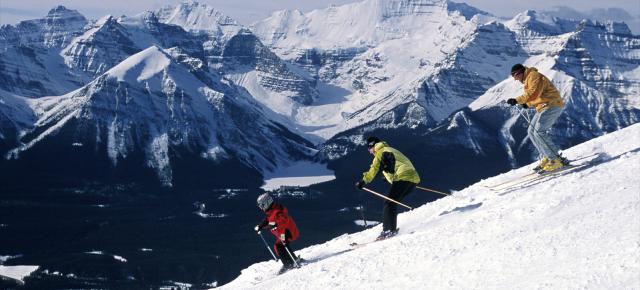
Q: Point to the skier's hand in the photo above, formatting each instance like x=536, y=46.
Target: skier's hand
x=283, y=238
x=257, y=229
x=360, y=184
x=512, y=102
x=525, y=106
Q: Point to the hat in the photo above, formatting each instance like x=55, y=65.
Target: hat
x=371, y=141
x=517, y=68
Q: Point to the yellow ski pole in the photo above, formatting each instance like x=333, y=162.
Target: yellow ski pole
x=433, y=190
x=389, y=199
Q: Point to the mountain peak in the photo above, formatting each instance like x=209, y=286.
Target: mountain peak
x=61, y=16
x=192, y=15
x=142, y=65
x=62, y=11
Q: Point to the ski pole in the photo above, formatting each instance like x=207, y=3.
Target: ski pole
x=362, y=214
x=536, y=130
x=432, y=190
x=389, y=199
x=526, y=117
x=290, y=255
x=268, y=248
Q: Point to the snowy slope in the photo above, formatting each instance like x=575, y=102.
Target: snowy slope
x=576, y=231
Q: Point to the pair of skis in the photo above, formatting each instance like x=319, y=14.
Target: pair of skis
x=535, y=176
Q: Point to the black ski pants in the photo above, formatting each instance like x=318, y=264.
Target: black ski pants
x=399, y=189
x=281, y=249
x=286, y=259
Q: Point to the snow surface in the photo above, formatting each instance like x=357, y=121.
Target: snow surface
x=17, y=272
x=301, y=173
x=580, y=230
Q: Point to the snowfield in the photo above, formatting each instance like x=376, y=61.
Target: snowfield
x=579, y=230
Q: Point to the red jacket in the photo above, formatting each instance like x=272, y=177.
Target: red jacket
x=283, y=222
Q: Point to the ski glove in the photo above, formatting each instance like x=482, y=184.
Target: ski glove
x=257, y=228
x=360, y=184
x=512, y=102
x=525, y=106
x=283, y=237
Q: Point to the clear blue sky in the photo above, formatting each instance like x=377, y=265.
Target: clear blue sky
x=248, y=11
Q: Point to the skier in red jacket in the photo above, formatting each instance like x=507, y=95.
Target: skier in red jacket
x=282, y=226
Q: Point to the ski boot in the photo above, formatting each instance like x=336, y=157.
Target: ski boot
x=553, y=165
x=543, y=162
x=285, y=268
x=387, y=234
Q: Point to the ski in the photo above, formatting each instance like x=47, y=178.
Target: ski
x=522, y=183
x=511, y=180
x=534, y=175
x=359, y=245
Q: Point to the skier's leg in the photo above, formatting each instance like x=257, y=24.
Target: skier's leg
x=542, y=131
x=389, y=216
x=399, y=189
x=407, y=188
x=531, y=132
x=284, y=256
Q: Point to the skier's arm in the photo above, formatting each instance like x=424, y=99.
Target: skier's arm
x=534, y=88
x=368, y=176
x=262, y=224
x=281, y=219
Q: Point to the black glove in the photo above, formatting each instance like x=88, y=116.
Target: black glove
x=512, y=102
x=360, y=184
x=525, y=106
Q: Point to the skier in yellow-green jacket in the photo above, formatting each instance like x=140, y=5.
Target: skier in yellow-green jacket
x=397, y=170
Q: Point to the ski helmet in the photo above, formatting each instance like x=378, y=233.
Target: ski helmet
x=372, y=140
x=264, y=201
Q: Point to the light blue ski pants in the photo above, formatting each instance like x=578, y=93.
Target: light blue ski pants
x=539, y=131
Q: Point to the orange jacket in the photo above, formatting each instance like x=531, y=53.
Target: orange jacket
x=539, y=92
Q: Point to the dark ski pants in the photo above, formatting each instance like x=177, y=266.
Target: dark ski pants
x=281, y=250
x=286, y=259
x=399, y=189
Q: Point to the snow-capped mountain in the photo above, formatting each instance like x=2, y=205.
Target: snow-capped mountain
x=396, y=53
x=78, y=70
x=594, y=65
x=153, y=106
x=29, y=58
x=54, y=30
x=437, y=56
x=238, y=54
x=551, y=233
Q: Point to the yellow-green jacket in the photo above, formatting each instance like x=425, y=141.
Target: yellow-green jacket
x=539, y=92
x=388, y=158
